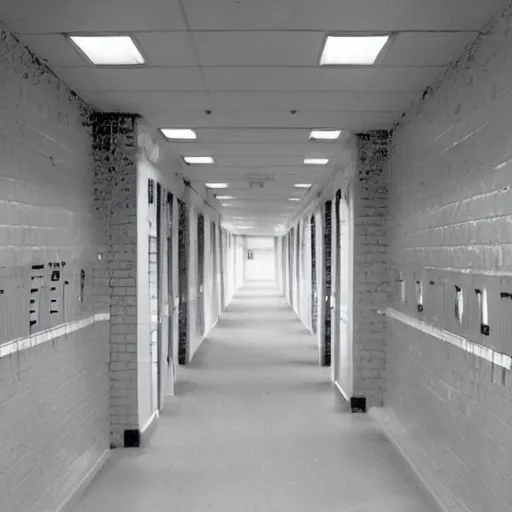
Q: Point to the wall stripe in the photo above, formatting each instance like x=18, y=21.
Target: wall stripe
x=474, y=271
x=499, y=359
x=11, y=347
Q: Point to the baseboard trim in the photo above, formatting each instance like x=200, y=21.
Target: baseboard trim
x=75, y=496
x=340, y=389
x=148, y=429
x=416, y=458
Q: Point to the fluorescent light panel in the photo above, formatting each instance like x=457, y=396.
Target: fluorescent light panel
x=223, y=198
x=294, y=199
x=179, y=134
x=352, y=50
x=109, y=50
x=303, y=185
x=198, y=159
x=316, y=161
x=216, y=185
x=324, y=134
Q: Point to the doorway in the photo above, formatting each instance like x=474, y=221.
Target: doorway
x=335, y=305
x=182, y=282
x=325, y=356
x=200, y=275
x=171, y=302
x=290, y=266
x=314, y=294
x=154, y=289
x=215, y=271
x=344, y=369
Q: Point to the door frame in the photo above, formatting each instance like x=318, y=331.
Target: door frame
x=183, y=257
x=325, y=356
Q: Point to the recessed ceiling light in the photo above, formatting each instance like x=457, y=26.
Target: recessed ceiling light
x=223, y=198
x=216, y=185
x=303, y=185
x=294, y=198
x=316, y=161
x=243, y=227
x=324, y=134
x=352, y=50
x=179, y=134
x=109, y=50
x=198, y=159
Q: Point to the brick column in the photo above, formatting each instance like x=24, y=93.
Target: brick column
x=114, y=156
x=371, y=280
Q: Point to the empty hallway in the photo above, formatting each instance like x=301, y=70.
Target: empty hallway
x=256, y=428
x=161, y=160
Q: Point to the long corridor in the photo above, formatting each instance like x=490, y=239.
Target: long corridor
x=255, y=427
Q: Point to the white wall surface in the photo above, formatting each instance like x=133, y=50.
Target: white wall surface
x=259, y=259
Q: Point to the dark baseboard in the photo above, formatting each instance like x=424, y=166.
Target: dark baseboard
x=358, y=404
x=137, y=438
x=131, y=438
x=354, y=404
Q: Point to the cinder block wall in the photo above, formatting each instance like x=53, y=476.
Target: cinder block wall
x=114, y=151
x=54, y=398
x=450, y=224
x=370, y=279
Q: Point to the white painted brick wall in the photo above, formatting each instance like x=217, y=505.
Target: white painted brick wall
x=54, y=397
x=115, y=180
x=451, y=207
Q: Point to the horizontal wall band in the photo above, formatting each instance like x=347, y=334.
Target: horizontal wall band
x=474, y=271
x=11, y=347
x=499, y=359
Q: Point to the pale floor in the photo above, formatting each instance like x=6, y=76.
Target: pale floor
x=255, y=428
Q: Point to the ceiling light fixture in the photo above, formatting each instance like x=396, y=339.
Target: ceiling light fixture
x=216, y=185
x=223, y=198
x=243, y=227
x=352, y=50
x=109, y=50
x=303, y=185
x=294, y=198
x=316, y=161
x=179, y=134
x=198, y=160
x=324, y=134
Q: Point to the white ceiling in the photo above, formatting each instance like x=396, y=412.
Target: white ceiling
x=251, y=62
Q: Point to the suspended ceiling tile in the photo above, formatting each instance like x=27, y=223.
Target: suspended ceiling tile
x=258, y=48
x=313, y=101
x=238, y=135
x=140, y=101
x=39, y=16
x=351, y=121
x=319, y=79
x=135, y=79
x=339, y=15
x=307, y=149
x=167, y=48
x=259, y=160
x=427, y=49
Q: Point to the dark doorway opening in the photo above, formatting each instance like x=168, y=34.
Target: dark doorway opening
x=170, y=277
x=200, y=275
x=326, y=346
x=183, y=282
x=314, y=294
x=215, y=270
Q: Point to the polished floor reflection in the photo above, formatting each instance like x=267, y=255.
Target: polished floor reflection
x=255, y=428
